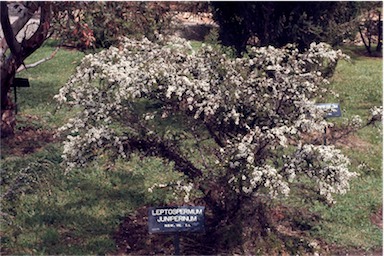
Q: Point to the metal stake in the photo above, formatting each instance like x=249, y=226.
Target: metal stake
x=176, y=243
x=325, y=136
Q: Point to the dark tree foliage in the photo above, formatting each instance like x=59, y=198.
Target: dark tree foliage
x=279, y=23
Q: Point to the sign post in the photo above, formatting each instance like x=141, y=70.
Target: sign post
x=176, y=220
x=332, y=110
x=176, y=243
x=19, y=82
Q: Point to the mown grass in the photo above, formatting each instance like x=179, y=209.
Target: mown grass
x=76, y=213
x=45, y=81
x=48, y=211
x=359, y=84
x=347, y=223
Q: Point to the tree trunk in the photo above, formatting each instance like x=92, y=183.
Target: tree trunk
x=367, y=47
x=379, y=46
x=8, y=120
x=18, y=52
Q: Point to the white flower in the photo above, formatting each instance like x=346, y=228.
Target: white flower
x=255, y=109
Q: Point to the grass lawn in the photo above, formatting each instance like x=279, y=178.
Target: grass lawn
x=349, y=222
x=47, y=211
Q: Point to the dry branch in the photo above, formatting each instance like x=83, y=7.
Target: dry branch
x=32, y=65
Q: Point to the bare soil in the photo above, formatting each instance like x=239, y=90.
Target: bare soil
x=132, y=237
x=290, y=236
x=28, y=138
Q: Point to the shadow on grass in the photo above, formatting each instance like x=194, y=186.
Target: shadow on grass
x=358, y=52
x=78, y=216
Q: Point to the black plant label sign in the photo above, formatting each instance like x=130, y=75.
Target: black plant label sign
x=332, y=109
x=176, y=219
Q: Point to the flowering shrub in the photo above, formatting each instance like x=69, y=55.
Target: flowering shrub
x=376, y=114
x=242, y=118
x=355, y=123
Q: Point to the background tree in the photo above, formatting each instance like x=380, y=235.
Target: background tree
x=370, y=26
x=87, y=25
x=14, y=52
x=279, y=23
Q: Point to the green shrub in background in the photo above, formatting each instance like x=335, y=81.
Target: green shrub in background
x=87, y=25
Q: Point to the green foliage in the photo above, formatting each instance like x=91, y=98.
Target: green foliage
x=279, y=23
x=213, y=36
x=88, y=25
